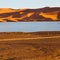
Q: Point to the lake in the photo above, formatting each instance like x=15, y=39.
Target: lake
x=29, y=26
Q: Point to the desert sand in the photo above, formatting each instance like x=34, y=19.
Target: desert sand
x=30, y=46
x=30, y=15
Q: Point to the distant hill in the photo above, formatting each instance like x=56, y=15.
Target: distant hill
x=41, y=14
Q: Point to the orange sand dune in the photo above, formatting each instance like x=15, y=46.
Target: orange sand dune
x=52, y=15
x=42, y=14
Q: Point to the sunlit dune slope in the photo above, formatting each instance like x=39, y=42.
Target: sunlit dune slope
x=42, y=14
x=51, y=15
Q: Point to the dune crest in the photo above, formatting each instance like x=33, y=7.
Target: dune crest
x=42, y=14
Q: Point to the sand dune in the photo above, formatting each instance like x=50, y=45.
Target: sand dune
x=41, y=14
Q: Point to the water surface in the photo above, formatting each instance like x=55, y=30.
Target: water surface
x=29, y=26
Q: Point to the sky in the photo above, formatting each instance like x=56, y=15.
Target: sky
x=29, y=26
x=29, y=3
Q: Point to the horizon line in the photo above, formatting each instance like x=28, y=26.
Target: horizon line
x=32, y=8
x=27, y=31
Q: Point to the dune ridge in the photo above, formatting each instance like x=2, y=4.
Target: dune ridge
x=40, y=14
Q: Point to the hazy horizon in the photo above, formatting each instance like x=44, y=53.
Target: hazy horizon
x=16, y=4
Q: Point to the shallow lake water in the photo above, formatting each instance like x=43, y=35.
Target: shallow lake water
x=29, y=26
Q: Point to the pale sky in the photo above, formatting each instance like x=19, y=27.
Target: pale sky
x=29, y=3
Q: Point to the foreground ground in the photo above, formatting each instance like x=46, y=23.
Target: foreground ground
x=31, y=49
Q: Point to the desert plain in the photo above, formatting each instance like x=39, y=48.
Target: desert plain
x=30, y=45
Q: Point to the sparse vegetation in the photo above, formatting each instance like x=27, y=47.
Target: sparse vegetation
x=13, y=35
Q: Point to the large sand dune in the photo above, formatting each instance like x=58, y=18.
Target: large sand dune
x=41, y=14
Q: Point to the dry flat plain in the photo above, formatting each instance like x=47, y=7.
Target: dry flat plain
x=30, y=46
